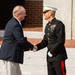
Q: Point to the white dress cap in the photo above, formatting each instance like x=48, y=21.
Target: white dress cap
x=47, y=8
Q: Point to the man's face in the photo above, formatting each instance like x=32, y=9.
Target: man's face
x=23, y=14
x=47, y=15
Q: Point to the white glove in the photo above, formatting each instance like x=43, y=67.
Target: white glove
x=49, y=54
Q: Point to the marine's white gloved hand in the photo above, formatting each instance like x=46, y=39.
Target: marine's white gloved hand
x=49, y=54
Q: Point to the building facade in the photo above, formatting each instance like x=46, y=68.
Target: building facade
x=35, y=18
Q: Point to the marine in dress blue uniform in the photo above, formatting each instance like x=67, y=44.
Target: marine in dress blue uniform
x=54, y=40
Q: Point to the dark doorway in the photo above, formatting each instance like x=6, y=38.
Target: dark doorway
x=6, y=7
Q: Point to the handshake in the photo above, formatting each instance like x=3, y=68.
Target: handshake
x=35, y=48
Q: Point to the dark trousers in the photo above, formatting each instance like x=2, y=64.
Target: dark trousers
x=56, y=68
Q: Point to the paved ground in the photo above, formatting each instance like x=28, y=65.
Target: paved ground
x=35, y=63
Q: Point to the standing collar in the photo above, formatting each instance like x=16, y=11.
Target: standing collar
x=52, y=20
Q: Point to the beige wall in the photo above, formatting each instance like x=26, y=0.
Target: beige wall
x=64, y=13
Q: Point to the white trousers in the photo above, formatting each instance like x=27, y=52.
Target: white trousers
x=12, y=68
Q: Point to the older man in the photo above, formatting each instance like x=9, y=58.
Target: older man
x=54, y=40
x=14, y=42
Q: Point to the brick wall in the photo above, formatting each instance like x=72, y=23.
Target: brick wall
x=34, y=13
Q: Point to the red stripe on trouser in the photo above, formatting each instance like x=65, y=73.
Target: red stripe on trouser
x=63, y=67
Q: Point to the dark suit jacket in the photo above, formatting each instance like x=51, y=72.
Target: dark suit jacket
x=14, y=42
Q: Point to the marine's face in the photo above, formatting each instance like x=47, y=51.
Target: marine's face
x=47, y=15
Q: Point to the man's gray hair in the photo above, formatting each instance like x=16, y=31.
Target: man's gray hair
x=17, y=10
